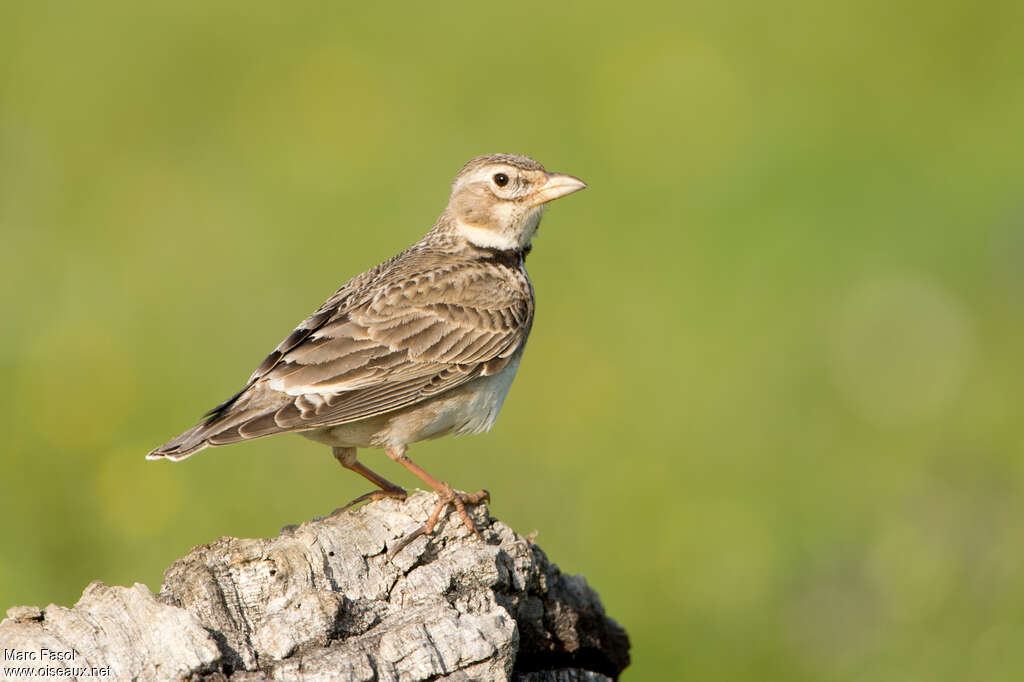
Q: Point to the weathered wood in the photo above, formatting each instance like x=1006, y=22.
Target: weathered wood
x=323, y=601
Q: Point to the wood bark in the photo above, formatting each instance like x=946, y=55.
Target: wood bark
x=324, y=601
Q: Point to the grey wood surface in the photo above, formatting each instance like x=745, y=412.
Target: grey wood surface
x=323, y=601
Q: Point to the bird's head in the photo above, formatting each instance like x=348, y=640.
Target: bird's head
x=497, y=200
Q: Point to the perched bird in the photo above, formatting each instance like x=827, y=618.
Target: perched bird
x=421, y=346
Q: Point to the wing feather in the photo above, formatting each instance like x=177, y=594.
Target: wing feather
x=403, y=332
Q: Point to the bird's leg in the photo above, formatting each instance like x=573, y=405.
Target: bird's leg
x=445, y=495
x=347, y=458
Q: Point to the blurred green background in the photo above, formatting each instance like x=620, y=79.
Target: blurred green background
x=771, y=406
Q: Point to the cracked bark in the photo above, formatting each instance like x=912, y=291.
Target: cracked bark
x=322, y=601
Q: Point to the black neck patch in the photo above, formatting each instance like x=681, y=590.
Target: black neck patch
x=510, y=258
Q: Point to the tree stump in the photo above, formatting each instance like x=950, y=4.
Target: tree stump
x=323, y=601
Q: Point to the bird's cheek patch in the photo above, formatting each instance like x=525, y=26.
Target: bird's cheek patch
x=477, y=214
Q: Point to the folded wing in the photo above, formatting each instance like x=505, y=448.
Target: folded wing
x=374, y=349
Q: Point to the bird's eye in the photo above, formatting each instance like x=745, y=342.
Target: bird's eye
x=500, y=179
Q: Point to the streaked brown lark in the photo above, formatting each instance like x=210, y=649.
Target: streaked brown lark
x=421, y=346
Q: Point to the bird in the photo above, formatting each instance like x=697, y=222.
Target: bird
x=423, y=345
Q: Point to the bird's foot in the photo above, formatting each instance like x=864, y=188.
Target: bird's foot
x=446, y=495
x=398, y=494
x=449, y=496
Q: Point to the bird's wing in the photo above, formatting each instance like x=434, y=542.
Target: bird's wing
x=391, y=341
x=413, y=339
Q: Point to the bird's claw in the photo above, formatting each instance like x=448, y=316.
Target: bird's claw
x=373, y=496
x=446, y=496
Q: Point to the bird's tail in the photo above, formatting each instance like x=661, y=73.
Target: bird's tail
x=176, y=449
x=244, y=416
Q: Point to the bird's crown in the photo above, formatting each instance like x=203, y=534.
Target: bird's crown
x=515, y=160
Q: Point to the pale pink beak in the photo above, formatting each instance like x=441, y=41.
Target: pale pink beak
x=558, y=185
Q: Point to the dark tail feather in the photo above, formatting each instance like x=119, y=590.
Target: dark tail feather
x=232, y=427
x=251, y=413
x=193, y=440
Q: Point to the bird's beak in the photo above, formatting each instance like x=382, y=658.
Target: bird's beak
x=557, y=185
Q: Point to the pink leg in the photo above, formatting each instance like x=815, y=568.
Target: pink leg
x=445, y=494
x=347, y=458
